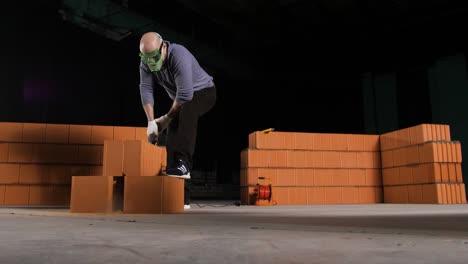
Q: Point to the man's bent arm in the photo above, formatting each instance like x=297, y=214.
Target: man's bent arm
x=175, y=108
x=149, y=110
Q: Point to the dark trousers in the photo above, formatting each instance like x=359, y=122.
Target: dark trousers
x=182, y=131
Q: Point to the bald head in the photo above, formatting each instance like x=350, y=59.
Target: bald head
x=150, y=41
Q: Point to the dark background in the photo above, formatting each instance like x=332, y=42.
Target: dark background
x=288, y=64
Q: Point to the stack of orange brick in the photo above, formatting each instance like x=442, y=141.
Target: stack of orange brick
x=313, y=168
x=142, y=189
x=422, y=165
x=37, y=161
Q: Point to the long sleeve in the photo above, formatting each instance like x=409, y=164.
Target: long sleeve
x=146, y=85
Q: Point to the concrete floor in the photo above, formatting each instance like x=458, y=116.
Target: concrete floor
x=381, y=233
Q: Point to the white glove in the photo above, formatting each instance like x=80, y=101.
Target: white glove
x=163, y=121
x=152, y=132
x=152, y=128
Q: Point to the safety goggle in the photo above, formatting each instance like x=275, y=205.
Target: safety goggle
x=152, y=57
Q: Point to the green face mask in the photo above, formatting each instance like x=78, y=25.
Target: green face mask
x=153, y=59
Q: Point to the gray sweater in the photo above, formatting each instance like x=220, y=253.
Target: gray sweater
x=180, y=76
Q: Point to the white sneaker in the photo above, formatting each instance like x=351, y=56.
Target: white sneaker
x=187, y=206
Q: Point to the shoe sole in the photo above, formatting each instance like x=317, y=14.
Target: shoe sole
x=186, y=177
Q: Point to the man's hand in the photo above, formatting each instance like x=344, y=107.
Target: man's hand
x=163, y=121
x=152, y=132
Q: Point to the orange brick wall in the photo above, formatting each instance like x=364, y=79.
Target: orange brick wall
x=37, y=161
x=313, y=168
x=419, y=164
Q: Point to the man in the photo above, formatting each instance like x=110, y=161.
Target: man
x=192, y=90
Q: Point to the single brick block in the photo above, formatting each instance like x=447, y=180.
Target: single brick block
x=91, y=194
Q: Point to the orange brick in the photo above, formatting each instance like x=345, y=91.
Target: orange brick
x=173, y=195
x=322, y=141
x=298, y=195
x=33, y=174
x=442, y=194
x=373, y=177
x=277, y=140
x=430, y=136
x=324, y=177
x=458, y=172
x=11, y=132
x=57, y=133
x=280, y=195
x=412, y=153
x=16, y=195
x=402, y=138
x=463, y=193
x=434, y=133
x=39, y=195
x=444, y=172
x=124, y=133
x=331, y=159
x=3, y=152
x=296, y=159
x=420, y=173
x=34, y=133
x=277, y=158
x=391, y=176
x=415, y=194
x=429, y=194
x=333, y=195
x=441, y=153
x=304, y=141
x=314, y=159
x=80, y=134
x=80, y=171
x=452, y=172
x=9, y=173
x=458, y=152
x=356, y=142
x=387, y=142
x=284, y=178
x=2, y=194
x=90, y=155
x=367, y=195
x=101, y=133
x=305, y=177
x=400, y=157
x=141, y=158
x=402, y=194
x=357, y=177
x=447, y=133
x=348, y=160
x=60, y=195
x=435, y=172
x=315, y=195
x=456, y=190
x=372, y=143
x=387, y=159
x=350, y=195
x=140, y=134
x=427, y=153
x=19, y=152
x=55, y=153
x=406, y=176
x=378, y=194
x=340, y=177
x=390, y=194
x=448, y=189
x=95, y=170
x=59, y=174
x=417, y=135
x=339, y=142
x=91, y=194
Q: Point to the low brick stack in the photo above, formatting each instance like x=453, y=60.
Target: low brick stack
x=313, y=168
x=131, y=182
x=421, y=164
x=38, y=162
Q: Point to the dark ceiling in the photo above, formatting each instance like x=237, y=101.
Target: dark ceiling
x=349, y=29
